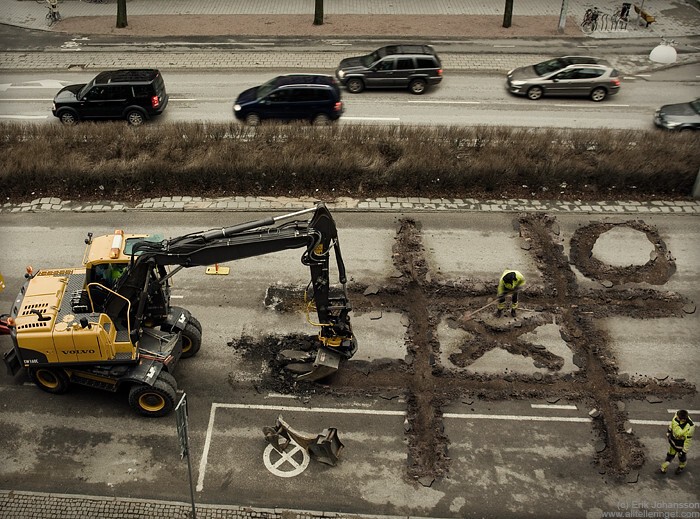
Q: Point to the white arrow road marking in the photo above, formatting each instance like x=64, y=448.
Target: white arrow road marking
x=43, y=83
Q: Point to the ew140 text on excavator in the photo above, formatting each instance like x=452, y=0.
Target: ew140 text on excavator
x=110, y=322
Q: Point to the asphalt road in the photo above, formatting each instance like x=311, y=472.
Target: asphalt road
x=507, y=457
x=462, y=99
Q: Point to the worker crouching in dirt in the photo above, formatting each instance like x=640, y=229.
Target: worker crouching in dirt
x=511, y=281
x=680, y=436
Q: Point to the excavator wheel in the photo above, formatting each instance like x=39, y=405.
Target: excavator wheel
x=153, y=401
x=191, y=340
x=168, y=378
x=50, y=380
x=196, y=323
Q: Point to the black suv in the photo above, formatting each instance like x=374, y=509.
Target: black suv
x=132, y=94
x=394, y=66
x=314, y=97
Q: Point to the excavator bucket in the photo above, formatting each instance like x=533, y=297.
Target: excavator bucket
x=324, y=447
x=327, y=447
x=325, y=364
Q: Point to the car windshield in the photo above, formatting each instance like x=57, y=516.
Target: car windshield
x=696, y=105
x=85, y=89
x=370, y=58
x=266, y=88
x=547, y=67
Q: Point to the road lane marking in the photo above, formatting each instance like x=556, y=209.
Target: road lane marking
x=27, y=99
x=691, y=411
x=554, y=406
x=429, y=102
x=351, y=118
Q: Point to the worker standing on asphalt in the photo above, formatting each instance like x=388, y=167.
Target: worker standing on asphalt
x=511, y=281
x=679, y=436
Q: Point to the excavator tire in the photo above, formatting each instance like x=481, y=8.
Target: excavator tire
x=152, y=401
x=50, y=380
x=168, y=378
x=196, y=323
x=191, y=340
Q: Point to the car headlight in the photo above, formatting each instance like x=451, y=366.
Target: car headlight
x=669, y=124
x=341, y=74
x=517, y=83
x=236, y=108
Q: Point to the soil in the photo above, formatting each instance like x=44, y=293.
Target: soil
x=428, y=386
x=335, y=26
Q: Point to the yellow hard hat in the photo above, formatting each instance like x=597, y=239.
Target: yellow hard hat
x=2, y=282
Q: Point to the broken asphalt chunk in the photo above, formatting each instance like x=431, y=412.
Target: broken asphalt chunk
x=689, y=308
x=600, y=446
x=607, y=283
x=654, y=399
x=594, y=413
x=371, y=290
x=632, y=477
x=426, y=481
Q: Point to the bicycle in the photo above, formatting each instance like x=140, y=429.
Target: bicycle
x=53, y=15
x=590, y=18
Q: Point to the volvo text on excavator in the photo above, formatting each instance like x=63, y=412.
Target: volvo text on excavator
x=110, y=322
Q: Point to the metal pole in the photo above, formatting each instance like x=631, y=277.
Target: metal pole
x=562, y=16
x=639, y=14
x=189, y=471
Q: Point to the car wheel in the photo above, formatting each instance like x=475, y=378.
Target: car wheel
x=135, y=118
x=50, y=380
x=417, y=86
x=321, y=120
x=355, y=85
x=598, y=94
x=252, y=119
x=535, y=93
x=68, y=118
x=686, y=129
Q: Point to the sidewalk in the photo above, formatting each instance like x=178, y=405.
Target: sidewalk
x=245, y=34
x=674, y=18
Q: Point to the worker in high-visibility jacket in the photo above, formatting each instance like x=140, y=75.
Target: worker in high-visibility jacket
x=680, y=436
x=511, y=281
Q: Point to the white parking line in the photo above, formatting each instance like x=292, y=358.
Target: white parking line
x=381, y=412
x=691, y=411
x=516, y=418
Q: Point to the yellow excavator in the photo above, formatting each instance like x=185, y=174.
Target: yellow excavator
x=110, y=322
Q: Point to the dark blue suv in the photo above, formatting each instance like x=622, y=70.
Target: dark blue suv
x=311, y=97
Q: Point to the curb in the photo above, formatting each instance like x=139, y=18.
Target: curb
x=380, y=204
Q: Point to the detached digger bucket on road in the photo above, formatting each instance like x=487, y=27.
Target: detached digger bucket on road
x=324, y=447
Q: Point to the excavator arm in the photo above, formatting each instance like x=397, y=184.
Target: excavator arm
x=144, y=282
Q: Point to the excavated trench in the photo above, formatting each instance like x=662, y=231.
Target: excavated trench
x=428, y=386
